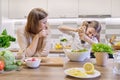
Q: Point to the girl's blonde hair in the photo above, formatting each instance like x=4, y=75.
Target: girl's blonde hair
x=32, y=28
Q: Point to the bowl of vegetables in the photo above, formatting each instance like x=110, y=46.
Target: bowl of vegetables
x=33, y=62
x=77, y=55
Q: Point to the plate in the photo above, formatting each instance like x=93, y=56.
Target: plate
x=80, y=73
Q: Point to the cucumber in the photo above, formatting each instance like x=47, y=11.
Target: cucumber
x=10, y=67
x=18, y=63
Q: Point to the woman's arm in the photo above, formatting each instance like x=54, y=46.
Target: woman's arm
x=46, y=49
x=29, y=50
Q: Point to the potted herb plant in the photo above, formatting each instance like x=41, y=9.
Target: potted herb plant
x=101, y=52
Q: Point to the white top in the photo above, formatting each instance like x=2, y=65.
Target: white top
x=23, y=43
x=76, y=44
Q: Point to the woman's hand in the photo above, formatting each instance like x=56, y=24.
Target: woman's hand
x=43, y=33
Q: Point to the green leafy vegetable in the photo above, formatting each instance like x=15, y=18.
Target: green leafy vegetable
x=100, y=47
x=5, y=39
x=4, y=32
x=79, y=50
x=9, y=59
x=63, y=40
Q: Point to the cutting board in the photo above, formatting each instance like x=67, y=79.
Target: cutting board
x=51, y=61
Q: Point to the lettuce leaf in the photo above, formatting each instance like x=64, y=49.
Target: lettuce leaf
x=100, y=47
x=7, y=56
x=6, y=39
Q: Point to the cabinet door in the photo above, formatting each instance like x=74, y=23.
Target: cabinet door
x=0, y=13
x=94, y=7
x=21, y=8
x=62, y=8
x=115, y=8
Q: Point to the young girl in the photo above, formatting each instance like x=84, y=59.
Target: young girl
x=87, y=34
x=90, y=32
x=34, y=39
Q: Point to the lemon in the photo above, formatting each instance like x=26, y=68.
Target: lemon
x=77, y=72
x=89, y=68
x=58, y=46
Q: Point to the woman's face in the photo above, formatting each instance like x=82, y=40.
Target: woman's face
x=43, y=24
x=90, y=32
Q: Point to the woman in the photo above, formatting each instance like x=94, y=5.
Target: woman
x=34, y=38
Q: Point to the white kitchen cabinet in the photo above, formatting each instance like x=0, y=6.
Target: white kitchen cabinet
x=115, y=8
x=94, y=7
x=21, y=8
x=62, y=8
x=0, y=12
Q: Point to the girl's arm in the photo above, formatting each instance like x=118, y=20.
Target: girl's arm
x=68, y=30
x=87, y=39
x=84, y=37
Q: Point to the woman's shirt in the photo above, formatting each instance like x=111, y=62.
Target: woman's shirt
x=23, y=43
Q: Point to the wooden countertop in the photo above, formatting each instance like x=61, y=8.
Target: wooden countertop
x=57, y=73
x=56, y=51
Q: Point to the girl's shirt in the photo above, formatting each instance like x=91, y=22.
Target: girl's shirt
x=76, y=44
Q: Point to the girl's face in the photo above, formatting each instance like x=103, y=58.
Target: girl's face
x=43, y=24
x=91, y=32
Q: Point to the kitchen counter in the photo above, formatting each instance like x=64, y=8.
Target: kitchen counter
x=57, y=73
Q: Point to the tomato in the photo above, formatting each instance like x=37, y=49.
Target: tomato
x=2, y=65
x=33, y=59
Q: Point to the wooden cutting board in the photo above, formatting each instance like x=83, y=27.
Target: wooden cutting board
x=52, y=61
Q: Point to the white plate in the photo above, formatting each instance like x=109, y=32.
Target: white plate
x=95, y=74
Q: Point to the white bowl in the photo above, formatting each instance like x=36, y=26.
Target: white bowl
x=33, y=62
x=77, y=56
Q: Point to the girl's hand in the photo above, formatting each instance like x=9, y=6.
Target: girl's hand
x=43, y=33
x=81, y=32
x=81, y=29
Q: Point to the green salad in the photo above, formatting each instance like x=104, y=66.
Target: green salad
x=79, y=50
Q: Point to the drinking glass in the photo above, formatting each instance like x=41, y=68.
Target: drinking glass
x=116, y=62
